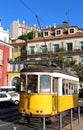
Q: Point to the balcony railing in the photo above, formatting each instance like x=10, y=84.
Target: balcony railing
x=47, y=54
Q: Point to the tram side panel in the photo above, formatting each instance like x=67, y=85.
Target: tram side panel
x=66, y=102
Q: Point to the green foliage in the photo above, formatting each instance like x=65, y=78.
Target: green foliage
x=29, y=36
x=68, y=63
x=78, y=68
x=59, y=59
x=23, y=37
x=62, y=62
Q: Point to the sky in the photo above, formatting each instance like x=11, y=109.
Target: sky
x=49, y=12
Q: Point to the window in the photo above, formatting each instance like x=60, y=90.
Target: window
x=46, y=33
x=32, y=50
x=81, y=45
x=15, y=49
x=29, y=83
x=21, y=66
x=71, y=30
x=55, y=85
x=16, y=67
x=10, y=67
x=1, y=57
x=32, y=86
x=58, y=32
x=81, y=58
x=69, y=87
x=45, y=83
x=23, y=82
x=70, y=58
x=56, y=47
x=44, y=49
x=3, y=95
x=69, y=46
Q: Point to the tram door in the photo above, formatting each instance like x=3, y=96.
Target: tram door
x=55, y=95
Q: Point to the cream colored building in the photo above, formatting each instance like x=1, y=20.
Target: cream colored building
x=65, y=38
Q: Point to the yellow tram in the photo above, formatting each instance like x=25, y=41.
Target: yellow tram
x=46, y=91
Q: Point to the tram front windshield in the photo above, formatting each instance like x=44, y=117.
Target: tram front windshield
x=45, y=84
x=31, y=84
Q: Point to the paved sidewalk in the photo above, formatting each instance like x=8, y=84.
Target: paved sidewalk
x=76, y=126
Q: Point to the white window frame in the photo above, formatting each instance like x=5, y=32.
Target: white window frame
x=70, y=29
x=57, y=32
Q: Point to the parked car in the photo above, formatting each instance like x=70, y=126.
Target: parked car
x=14, y=98
x=5, y=98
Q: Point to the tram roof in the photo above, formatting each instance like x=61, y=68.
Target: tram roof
x=42, y=68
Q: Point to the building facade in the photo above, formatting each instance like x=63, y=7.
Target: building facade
x=16, y=63
x=66, y=39
x=4, y=34
x=19, y=28
x=5, y=54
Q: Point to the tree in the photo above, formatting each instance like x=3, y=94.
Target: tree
x=23, y=37
x=78, y=68
x=59, y=60
x=62, y=62
x=29, y=36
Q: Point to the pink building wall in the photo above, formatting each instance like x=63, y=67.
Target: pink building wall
x=5, y=50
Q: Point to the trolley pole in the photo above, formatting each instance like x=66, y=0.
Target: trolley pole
x=44, y=124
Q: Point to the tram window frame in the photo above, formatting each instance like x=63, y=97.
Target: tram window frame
x=44, y=82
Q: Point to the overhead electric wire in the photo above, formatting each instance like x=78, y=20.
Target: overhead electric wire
x=27, y=7
x=32, y=12
x=35, y=16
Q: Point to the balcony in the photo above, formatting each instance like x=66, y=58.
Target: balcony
x=49, y=54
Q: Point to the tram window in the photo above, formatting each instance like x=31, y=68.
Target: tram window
x=63, y=86
x=45, y=83
x=32, y=83
x=55, y=85
x=69, y=87
x=23, y=82
x=75, y=89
